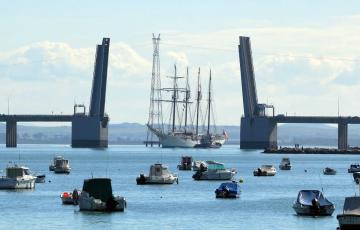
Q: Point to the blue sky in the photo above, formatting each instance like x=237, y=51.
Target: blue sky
x=306, y=53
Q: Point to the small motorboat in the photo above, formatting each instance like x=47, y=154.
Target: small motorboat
x=197, y=165
x=70, y=198
x=62, y=165
x=17, y=177
x=329, y=171
x=313, y=203
x=356, y=176
x=52, y=166
x=185, y=163
x=97, y=195
x=350, y=218
x=228, y=190
x=265, y=170
x=40, y=178
x=159, y=174
x=285, y=164
x=354, y=168
x=215, y=171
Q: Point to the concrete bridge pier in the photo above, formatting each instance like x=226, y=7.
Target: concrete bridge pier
x=11, y=134
x=258, y=133
x=342, y=136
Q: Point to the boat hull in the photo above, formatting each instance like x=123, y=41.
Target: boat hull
x=308, y=210
x=12, y=183
x=87, y=203
x=62, y=170
x=285, y=167
x=207, y=175
x=156, y=180
x=170, y=141
x=348, y=221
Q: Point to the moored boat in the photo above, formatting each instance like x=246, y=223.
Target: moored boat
x=159, y=174
x=329, y=171
x=17, y=177
x=214, y=171
x=285, y=164
x=228, y=190
x=62, y=166
x=313, y=203
x=265, y=170
x=354, y=168
x=70, y=198
x=40, y=179
x=356, y=176
x=52, y=166
x=97, y=195
x=350, y=218
x=185, y=163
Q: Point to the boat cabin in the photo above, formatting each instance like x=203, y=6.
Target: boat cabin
x=99, y=188
x=215, y=166
x=16, y=171
x=61, y=162
x=159, y=170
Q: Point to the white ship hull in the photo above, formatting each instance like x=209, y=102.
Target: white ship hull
x=22, y=183
x=174, y=140
x=171, y=141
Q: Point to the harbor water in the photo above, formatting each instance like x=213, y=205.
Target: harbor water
x=264, y=203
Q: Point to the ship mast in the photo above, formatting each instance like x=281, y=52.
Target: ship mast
x=209, y=106
x=198, y=103
x=174, y=101
x=187, y=96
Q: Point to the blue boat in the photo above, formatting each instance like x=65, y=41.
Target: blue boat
x=228, y=190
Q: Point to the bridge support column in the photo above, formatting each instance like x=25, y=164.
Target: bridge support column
x=11, y=134
x=342, y=136
x=258, y=133
x=89, y=132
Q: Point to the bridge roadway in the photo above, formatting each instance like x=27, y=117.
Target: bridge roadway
x=35, y=118
x=315, y=119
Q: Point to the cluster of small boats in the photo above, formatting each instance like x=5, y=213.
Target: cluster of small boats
x=204, y=170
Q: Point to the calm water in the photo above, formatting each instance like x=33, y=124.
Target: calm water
x=265, y=202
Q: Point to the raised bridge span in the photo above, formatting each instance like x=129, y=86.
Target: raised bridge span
x=258, y=130
x=88, y=130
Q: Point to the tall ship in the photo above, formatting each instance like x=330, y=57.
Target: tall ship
x=182, y=127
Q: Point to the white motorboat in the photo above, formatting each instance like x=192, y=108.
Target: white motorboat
x=313, y=203
x=214, y=171
x=350, y=218
x=285, y=164
x=159, y=174
x=17, y=177
x=97, y=195
x=265, y=170
x=62, y=165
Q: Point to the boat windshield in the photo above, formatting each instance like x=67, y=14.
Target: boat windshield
x=27, y=172
x=216, y=166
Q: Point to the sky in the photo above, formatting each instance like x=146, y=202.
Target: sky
x=306, y=54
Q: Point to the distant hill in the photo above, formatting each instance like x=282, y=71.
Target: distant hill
x=135, y=133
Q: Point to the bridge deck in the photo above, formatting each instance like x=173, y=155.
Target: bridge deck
x=36, y=118
x=316, y=119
